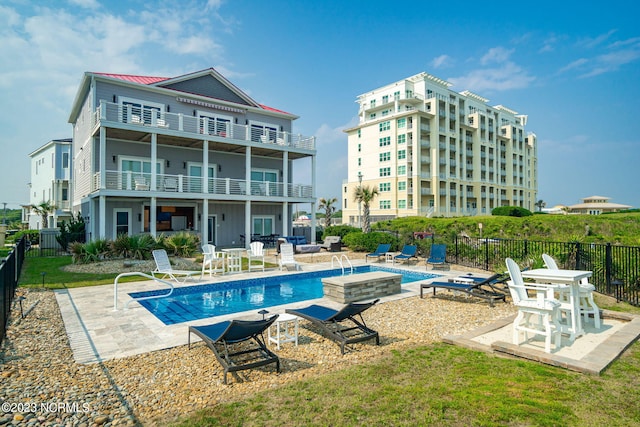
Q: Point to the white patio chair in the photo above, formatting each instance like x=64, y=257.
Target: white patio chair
x=141, y=183
x=163, y=266
x=286, y=257
x=539, y=315
x=585, y=299
x=212, y=261
x=170, y=184
x=256, y=253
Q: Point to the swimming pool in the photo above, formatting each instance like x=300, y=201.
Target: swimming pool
x=202, y=301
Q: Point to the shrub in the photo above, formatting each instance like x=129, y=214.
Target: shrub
x=71, y=231
x=510, y=211
x=121, y=247
x=368, y=242
x=183, y=243
x=141, y=246
x=339, y=230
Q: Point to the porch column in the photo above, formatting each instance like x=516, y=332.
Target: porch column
x=103, y=154
x=247, y=170
x=285, y=219
x=154, y=160
x=285, y=174
x=102, y=216
x=313, y=194
x=204, y=223
x=205, y=167
x=247, y=223
x=152, y=217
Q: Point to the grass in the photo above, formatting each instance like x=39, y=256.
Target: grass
x=443, y=385
x=446, y=385
x=56, y=278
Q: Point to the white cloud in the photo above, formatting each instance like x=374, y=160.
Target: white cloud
x=596, y=41
x=441, y=61
x=87, y=4
x=505, y=77
x=497, y=55
x=575, y=64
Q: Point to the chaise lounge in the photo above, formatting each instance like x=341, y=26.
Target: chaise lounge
x=163, y=267
x=224, y=340
x=380, y=251
x=472, y=286
x=333, y=322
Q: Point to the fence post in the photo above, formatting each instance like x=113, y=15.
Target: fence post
x=608, y=267
x=486, y=255
x=578, y=256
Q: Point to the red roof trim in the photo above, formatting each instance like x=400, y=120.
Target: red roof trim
x=145, y=80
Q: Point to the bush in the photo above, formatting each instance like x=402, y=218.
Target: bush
x=368, y=242
x=510, y=211
x=182, y=244
x=339, y=230
x=72, y=231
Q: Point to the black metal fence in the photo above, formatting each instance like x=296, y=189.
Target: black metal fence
x=10, y=269
x=44, y=244
x=616, y=269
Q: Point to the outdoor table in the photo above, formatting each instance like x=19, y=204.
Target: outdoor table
x=286, y=326
x=567, y=277
x=234, y=259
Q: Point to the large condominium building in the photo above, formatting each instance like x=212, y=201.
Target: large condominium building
x=431, y=151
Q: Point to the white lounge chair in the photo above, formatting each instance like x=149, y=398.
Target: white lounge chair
x=213, y=261
x=585, y=299
x=141, y=183
x=163, y=266
x=256, y=253
x=286, y=257
x=539, y=315
x=170, y=184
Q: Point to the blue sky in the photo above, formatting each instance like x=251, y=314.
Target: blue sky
x=572, y=67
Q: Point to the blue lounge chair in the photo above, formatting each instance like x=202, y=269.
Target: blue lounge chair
x=331, y=322
x=222, y=338
x=437, y=257
x=474, y=286
x=382, y=249
x=408, y=252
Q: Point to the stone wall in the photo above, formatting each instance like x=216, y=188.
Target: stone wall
x=361, y=287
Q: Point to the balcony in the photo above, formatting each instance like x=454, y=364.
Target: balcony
x=175, y=185
x=150, y=120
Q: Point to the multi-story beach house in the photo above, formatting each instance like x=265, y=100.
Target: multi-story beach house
x=193, y=152
x=431, y=151
x=51, y=173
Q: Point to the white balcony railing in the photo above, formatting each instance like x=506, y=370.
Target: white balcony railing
x=136, y=181
x=162, y=121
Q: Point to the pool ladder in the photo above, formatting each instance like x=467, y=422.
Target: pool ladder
x=339, y=261
x=137, y=273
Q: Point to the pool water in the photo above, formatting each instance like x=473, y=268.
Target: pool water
x=202, y=301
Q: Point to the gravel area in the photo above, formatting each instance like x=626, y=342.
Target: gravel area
x=43, y=385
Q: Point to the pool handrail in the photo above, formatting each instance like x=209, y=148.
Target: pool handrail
x=137, y=273
x=339, y=260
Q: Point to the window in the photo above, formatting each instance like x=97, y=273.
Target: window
x=65, y=194
x=215, y=124
x=195, y=177
x=385, y=126
x=359, y=148
x=372, y=103
x=372, y=116
x=132, y=167
x=402, y=204
x=263, y=132
x=396, y=95
x=385, y=186
x=65, y=160
x=264, y=182
x=262, y=225
x=385, y=141
x=359, y=134
x=402, y=154
x=140, y=112
x=385, y=157
x=359, y=161
x=402, y=123
x=385, y=99
x=386, y=112
x=402, y=139
x=402, y=185
x=121, y=222
x=402, y=170
x=385, y=171
x=385, y=204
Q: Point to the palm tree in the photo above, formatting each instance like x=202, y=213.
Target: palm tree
x=365, y=195
x=540, y=204
x=44, y=209
x=326, y=204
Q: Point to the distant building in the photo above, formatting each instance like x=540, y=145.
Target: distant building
x=50, y=182
x=595, y=205
x=431, y=151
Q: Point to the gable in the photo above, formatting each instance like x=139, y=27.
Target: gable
x=207, y=86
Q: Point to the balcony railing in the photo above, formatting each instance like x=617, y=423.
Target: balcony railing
x=137, y=181
x=162, y=121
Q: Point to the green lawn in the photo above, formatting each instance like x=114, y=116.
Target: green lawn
x=55, y=278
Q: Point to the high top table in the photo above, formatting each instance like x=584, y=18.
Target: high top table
x=234, y=259
x=566, y=277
